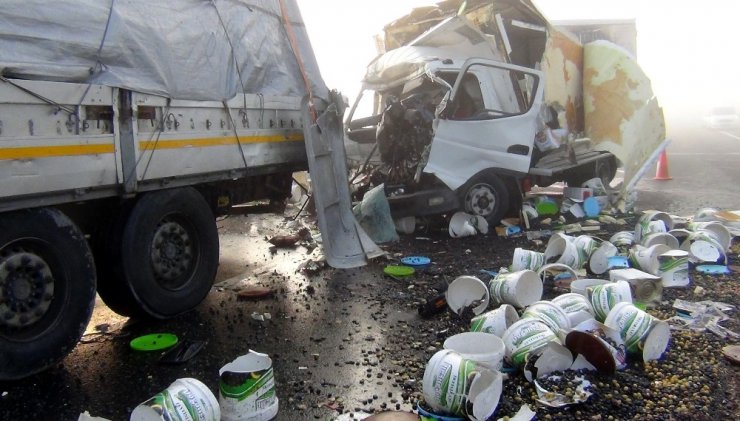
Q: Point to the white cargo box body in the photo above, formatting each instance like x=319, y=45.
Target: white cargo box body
x=44, y=149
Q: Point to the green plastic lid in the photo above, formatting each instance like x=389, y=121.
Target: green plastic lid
x=397, y=270
x=153, y=342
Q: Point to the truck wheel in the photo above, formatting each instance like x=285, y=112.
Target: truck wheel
x=106, y=246
x=47, y=290
x=606, y=169
x=169, y=251
x=486, y=195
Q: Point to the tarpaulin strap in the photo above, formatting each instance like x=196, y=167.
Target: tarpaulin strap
x=299, y=59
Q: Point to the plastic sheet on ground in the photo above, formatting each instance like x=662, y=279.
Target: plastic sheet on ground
x=701, y=316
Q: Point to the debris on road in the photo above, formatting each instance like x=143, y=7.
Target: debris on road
x=285, y=241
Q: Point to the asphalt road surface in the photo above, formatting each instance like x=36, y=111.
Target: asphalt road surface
x=327, y=335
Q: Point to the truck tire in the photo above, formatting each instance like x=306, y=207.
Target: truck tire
x=106, y=246
x=47, y=290
x=169, y=252
x=485, y=195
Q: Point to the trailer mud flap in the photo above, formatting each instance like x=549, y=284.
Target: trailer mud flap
x=345, y=243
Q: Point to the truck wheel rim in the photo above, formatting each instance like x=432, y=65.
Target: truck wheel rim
x=172, y=253
x=481, y=200
x=26, y=288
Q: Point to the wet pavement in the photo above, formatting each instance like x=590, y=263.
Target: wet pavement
x=341, y=340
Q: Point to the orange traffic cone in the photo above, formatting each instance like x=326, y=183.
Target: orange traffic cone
x=661, y=172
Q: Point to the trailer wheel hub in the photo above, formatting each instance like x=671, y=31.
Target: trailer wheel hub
x=172, y=253
x=26, y=289
x=481, y=199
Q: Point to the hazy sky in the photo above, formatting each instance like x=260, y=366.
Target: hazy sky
x=688, y=49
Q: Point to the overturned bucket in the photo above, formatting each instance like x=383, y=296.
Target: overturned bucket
x=576, y=307
x=185, y=399
x=642, y=333
x=519, y=289
x=527, y=259
x=495, y=321
x=605, y=297
x=467, y=291
x=548, y=313
x=526, y=337
x=247, y=389
x=483, y=348
x=459, y=386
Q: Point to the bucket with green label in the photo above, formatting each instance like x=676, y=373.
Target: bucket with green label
x=548, y=313
x=247, y=389
x=185, y=399
x=525, y=337
x=495, y=321
x=576, y=306
x=604, y=297
x=652, y=221
x=674, y=268
x=458, y=386
x=642, y=333
x=527, y=259
x=519, y=289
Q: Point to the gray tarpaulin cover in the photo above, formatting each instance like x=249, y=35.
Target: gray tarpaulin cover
x=175, y=48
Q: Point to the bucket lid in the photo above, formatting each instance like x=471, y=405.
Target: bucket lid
x=416, y=261
x=591, y=207
x=398, y=270
x=153, y=342
x=713, y=269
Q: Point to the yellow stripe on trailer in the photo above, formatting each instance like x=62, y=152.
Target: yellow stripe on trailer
x=55, y=151
x=146, y=145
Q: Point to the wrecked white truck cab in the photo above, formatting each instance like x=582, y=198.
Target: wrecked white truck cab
x=457, y=126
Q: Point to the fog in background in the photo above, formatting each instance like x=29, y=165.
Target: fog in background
x=690, y=50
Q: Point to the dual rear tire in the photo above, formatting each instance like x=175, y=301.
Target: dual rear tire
x=161, y=255
x=156, y=257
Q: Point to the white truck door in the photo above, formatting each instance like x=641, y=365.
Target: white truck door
x=490, y=121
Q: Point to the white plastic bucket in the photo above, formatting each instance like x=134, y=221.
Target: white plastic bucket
x=674, y=268
x=247, y=389
x=483, y=348
x=464, y=224
x=664, y=238
x=519, y=289
x=682, y=235
x=495, y=321
x=579, y=286
x=646, y=258
x=466, y=290
x=185, y=399
x=451, y=383
x=548, y=313
x=556, y=246
x=555, y=268
x=571, y=257
x=643, y=334
x=527, y=259
x=576, y=307
x=598, y=263
x=652, y=221
x=623, y=239
x=525, y=337
x=604, y=297
x=586, y=246
x=405, y=225
x=719, y=232
x=706, y=251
